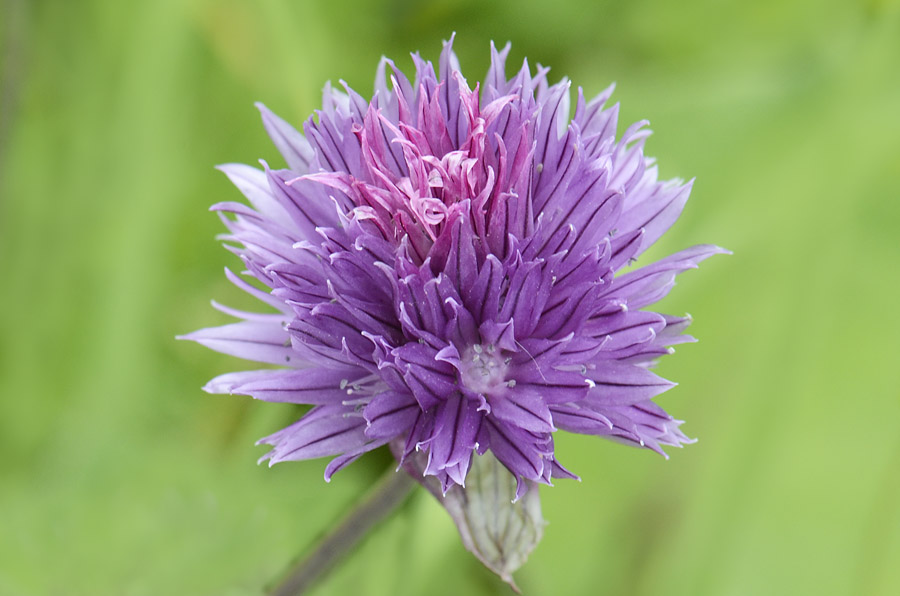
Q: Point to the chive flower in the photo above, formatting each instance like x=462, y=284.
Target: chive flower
x=449, y=268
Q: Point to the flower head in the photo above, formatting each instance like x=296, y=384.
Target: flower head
x=446, y=262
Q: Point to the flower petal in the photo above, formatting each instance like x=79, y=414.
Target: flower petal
x=649, y=284
x=457, y=422
x=389, y=414
x=324, y=430
x=295, y=149
x=522, y=409
x=250, y=340
x=615, y=383
x=316, y=386
x=520, y=451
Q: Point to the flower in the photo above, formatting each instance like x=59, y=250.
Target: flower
x=447, y=266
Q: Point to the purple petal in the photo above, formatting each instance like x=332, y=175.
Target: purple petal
x=615, y=383
x=521, y=452
x=256, y=292
x=457, y=422
x=528, y=291
x=522, y=409
x=644, y=425
x=316, y=386
x=329, y=330
x=626, y=328
x=656, y=207
x=325, y=430
x=496, y=78
x=484, y=299
x=649, y=284
x=430, y=380
x=254, y=184
x=304, y=200
x=250, y=340
x=389, y=414
x=580, y=420
x=291, y=144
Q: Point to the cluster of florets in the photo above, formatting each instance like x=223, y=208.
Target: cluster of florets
x=446, y=266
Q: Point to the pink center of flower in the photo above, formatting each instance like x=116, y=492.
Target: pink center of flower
x=417, y=195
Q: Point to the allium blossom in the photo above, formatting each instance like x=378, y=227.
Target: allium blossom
x=446, y=263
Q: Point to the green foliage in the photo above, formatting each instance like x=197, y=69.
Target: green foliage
x=119, y=476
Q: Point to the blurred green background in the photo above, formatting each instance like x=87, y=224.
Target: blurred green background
x=119, y=476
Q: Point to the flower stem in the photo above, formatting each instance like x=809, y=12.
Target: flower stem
x=386, y=496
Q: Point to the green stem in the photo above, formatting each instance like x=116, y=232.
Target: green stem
x=386, y=496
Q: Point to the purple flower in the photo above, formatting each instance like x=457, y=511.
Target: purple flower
x=446, y=263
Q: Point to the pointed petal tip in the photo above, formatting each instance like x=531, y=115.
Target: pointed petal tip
x=213, y=389
x=713, y=249
x=506, y=48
